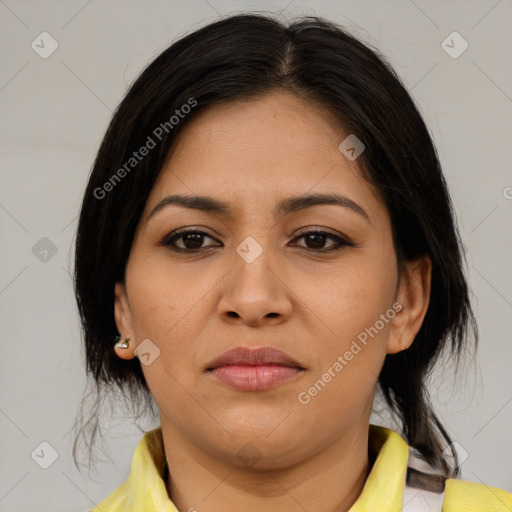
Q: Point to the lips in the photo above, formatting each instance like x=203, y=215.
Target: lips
x=243, y=356
x=260, y=369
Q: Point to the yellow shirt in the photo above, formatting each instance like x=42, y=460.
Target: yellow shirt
x=385, y=489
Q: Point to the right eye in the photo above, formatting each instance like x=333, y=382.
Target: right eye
x=191, y=240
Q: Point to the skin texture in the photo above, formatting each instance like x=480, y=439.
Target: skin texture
x=295, y=296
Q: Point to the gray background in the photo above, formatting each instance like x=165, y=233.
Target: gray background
x=54, y=113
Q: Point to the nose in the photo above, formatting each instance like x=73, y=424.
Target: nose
x=255, y=292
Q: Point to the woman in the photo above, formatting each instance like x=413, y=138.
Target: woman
x=266, y=238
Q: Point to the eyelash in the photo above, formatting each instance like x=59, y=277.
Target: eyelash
x=168, y=240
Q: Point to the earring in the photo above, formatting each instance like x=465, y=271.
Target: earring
x=119, y=344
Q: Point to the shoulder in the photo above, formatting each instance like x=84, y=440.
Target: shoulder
x=144, y=488
x=475, y=497
x=457, y=496
x=426, y=490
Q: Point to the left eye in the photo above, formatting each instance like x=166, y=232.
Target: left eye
x=316, y=239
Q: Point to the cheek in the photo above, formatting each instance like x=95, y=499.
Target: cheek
x=349, y=300
x=355, y=306
x=163, y=299
x=349, y=356
x=162, y=309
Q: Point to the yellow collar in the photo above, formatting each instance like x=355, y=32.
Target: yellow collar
x=384, y=487
x=145, y=488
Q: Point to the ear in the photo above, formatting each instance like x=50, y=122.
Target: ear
x=123, y=319
x=413, y=296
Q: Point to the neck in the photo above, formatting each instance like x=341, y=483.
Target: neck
x=330, y=481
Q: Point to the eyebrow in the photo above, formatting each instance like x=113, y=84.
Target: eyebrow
x=284, y=207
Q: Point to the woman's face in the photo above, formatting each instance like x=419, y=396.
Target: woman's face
x=257, y=277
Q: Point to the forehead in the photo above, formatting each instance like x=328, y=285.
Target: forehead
x=266, y=128
x=262, y=150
